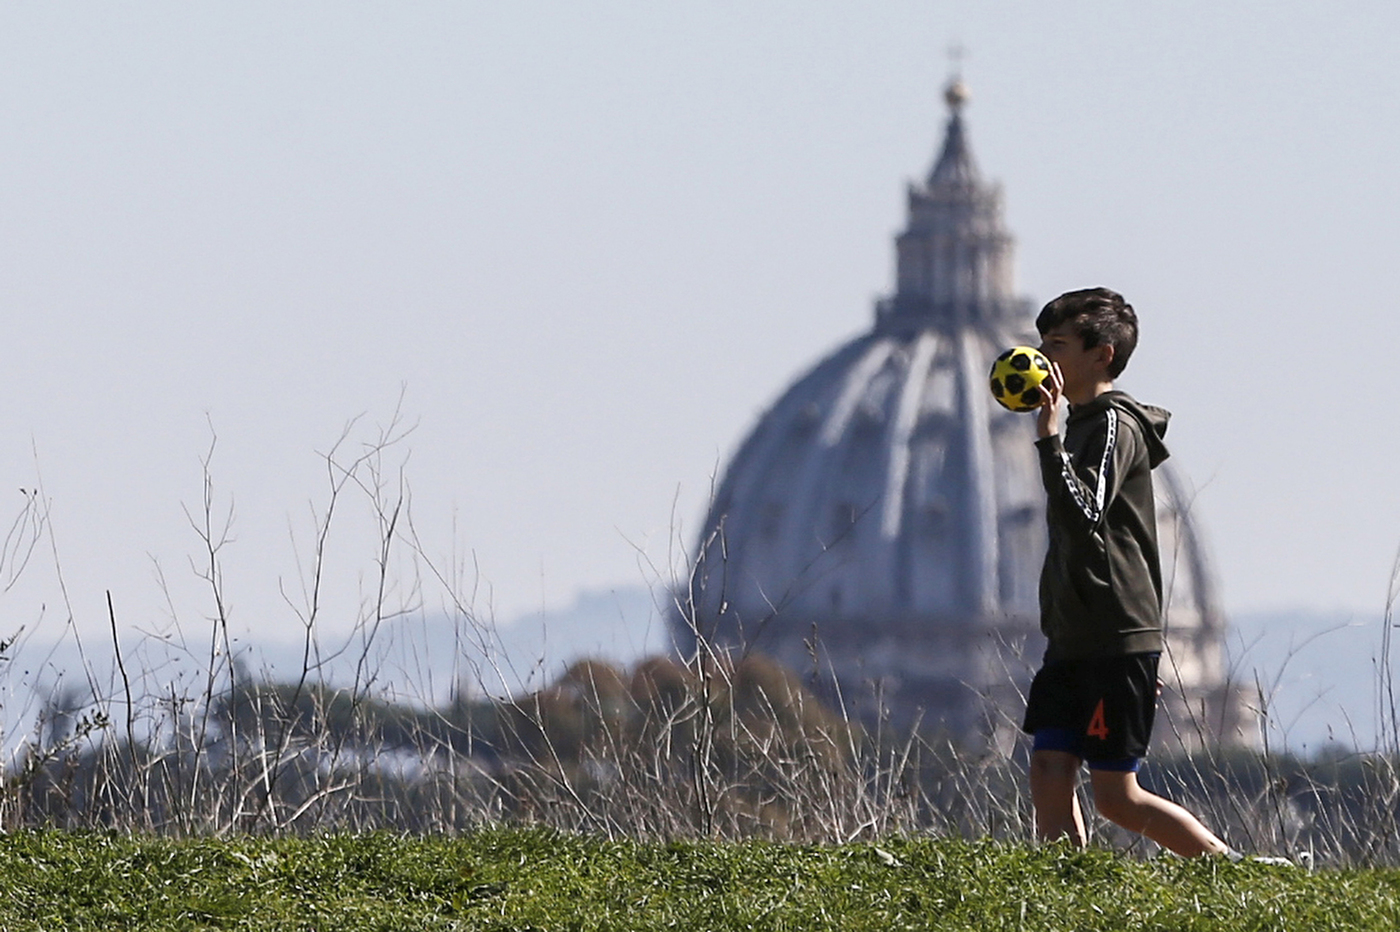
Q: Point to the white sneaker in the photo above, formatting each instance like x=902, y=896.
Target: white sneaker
x=1272, y=862
x=1238, y=856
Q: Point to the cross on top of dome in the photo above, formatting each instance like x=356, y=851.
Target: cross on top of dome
x=955, y=92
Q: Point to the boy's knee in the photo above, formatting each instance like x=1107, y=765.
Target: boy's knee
x=1116, y=809
x=1116, y=795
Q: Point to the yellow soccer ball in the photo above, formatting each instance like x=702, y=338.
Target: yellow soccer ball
x=1016, y=376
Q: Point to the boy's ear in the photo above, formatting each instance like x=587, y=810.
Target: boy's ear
x=1106, y=354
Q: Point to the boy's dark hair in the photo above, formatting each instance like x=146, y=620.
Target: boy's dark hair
x=1099, y=316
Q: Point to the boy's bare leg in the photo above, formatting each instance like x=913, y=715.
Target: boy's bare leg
x=1054, y=777
x=1120, y=799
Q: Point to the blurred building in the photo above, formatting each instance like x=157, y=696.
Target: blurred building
x=882, y=527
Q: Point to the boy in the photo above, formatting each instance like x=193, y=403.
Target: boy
x=1094, y=698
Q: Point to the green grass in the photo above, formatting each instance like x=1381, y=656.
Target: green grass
x=533, y=879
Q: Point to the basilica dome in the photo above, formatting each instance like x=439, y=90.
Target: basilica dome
x=882, y=526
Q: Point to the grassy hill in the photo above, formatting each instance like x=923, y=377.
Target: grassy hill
x=517, y=879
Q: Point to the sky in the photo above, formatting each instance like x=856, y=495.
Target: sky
x=564, y=254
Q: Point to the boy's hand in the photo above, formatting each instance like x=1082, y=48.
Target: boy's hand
x=1048, y=417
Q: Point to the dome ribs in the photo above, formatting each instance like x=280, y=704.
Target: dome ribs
x=907, y=415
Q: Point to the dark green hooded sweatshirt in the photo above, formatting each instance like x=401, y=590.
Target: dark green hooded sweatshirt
x=1101, y=588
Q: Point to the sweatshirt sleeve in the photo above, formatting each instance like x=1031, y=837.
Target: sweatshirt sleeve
x=1081, y=491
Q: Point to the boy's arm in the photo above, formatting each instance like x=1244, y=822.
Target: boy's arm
x=1083, y=490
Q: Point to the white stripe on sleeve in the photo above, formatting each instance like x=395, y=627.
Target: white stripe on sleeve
x=1092, y=510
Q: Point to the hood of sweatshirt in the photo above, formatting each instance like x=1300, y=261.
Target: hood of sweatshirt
x=1152, y=419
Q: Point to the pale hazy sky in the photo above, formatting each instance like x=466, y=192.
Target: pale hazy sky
x=591, y=242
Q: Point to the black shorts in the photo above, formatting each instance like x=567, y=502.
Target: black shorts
x=1099, y=708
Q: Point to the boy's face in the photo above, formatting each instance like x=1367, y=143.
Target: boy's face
x=1083, y=369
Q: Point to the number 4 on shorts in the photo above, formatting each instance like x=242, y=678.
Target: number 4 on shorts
x=1098, y=726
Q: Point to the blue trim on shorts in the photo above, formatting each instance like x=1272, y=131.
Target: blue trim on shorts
x=1057, y=739
x=1067, y=740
